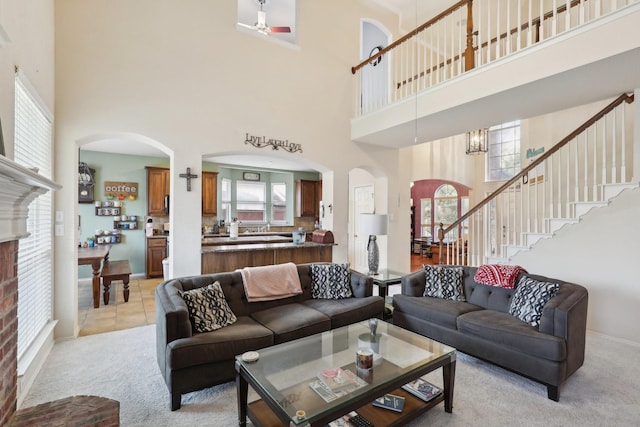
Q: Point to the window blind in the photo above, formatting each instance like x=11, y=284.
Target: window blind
x=33, y=148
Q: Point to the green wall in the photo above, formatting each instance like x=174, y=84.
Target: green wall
x=124, y=168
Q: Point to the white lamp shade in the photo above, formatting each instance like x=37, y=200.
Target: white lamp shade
x=373, y=224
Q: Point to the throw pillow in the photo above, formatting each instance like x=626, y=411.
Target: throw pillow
x=444, y=282
x=529, y=299
x=208, y=308
x=330, y=281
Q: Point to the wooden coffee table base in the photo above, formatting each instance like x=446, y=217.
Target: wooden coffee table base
x=261, y=416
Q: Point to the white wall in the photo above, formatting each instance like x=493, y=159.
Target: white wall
x=180, y=74
x=599, y=253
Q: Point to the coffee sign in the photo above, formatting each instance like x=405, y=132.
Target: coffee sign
x=115, y=190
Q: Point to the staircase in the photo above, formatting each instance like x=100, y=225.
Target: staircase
x=582, y=172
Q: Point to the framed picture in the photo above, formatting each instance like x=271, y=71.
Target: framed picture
x=251, y=176
x=85, y=192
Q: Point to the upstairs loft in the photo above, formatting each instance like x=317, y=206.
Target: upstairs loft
x=594, y=61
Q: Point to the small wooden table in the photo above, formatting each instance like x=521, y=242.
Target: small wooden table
x=93, y=257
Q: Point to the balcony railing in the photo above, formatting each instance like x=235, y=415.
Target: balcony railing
x=469, y=34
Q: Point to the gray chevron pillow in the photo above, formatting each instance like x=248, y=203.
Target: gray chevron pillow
x=208, y=308
x=529, y=299
x=444, y=282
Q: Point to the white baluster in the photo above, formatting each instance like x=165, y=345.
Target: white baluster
x=595, y=161
x=498, y=2
x=605, y=175
x=614, y=148
x=567, y=18
x=586, y=166
x=576, y=197
x=541, y=17
x=623, y=144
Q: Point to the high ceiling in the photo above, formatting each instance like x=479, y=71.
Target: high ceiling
x=279, y=13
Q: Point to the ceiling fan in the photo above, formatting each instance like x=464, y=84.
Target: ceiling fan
x=261, y=26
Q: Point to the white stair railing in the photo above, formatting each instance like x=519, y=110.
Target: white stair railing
x=561, y=185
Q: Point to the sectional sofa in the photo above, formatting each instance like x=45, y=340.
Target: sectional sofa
x=191, y=361
x=480, y=324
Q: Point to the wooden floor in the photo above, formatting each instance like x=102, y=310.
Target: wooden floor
x=418, y=260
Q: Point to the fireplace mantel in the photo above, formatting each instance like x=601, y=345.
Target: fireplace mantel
x=19, y=186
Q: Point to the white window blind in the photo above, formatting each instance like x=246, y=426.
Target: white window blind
x=33, y=148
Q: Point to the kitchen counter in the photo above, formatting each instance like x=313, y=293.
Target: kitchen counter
x=223, y=258
x=245, y=239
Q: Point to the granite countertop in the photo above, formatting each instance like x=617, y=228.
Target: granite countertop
x=245, y=239
x=260, y=246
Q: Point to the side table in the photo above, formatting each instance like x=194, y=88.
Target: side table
x=385, y=278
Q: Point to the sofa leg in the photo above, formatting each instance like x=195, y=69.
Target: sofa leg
x=176, y=400
x=553, y=392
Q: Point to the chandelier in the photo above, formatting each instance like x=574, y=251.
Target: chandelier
x=477, y=141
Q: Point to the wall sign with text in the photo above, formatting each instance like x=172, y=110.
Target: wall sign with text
x=114, y=190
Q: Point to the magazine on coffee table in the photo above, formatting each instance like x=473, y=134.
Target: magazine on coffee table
x=423, y=389
x=334, y=383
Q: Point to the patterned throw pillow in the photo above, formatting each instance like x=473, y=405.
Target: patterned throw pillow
x=529, y=299
x=444, y=282
x=330, y=281
x=208, y=308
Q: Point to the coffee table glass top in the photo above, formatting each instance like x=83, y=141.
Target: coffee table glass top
x=289, y=373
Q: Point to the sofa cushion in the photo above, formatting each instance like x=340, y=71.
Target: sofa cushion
x=208, y=308
x=436, y=310
x=223, y=344
x=444, y=282
x=330, y=281
x=292, y=321
x=504, y=329
x=349, y=310
x=530, y=297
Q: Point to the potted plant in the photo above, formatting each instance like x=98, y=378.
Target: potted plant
x=91, y=241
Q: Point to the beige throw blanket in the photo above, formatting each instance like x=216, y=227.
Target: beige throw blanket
x=271, y=282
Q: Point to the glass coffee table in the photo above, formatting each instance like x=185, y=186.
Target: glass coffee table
x=287, y=377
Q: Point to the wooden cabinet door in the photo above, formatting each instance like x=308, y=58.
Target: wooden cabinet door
x=156, y=252
x=306, y=198
x=209, y=193
x=157, y=190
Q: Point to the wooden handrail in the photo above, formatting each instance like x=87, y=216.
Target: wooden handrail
x=606, y=110
x=410, y=34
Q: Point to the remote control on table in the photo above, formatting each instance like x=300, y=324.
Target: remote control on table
x=359, y=421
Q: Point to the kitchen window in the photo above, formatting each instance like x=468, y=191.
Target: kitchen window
x=225, y=200
x=278, y=203
x=251, y=201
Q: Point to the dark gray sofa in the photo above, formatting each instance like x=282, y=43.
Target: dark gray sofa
x=483, y=327
x=192, y=361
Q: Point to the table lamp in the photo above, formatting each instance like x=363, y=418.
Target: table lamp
x=373, y=225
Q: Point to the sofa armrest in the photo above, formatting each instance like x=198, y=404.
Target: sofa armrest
x=413, y=284
x=361, y=285
x=172, y=319
x=565, y=316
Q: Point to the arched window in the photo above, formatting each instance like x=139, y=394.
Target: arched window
x=445, y=202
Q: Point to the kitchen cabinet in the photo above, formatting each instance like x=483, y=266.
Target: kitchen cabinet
x=308, y=196
x=157, y=191
x=156, y=252
x=209, y=193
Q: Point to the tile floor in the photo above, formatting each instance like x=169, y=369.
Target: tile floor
x=139, y=311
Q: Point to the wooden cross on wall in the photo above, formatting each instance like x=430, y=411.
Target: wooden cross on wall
x=188, y=175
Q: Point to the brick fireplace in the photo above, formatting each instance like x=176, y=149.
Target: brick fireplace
x=20, y=186
x=8, y=329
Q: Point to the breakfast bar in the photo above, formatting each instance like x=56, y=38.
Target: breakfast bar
x=229, y=257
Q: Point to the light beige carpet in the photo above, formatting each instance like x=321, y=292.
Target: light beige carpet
x=122, y=366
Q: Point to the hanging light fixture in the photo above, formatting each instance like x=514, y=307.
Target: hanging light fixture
x=477, y=141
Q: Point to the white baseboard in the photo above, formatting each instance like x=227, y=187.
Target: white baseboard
x=33, y=359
